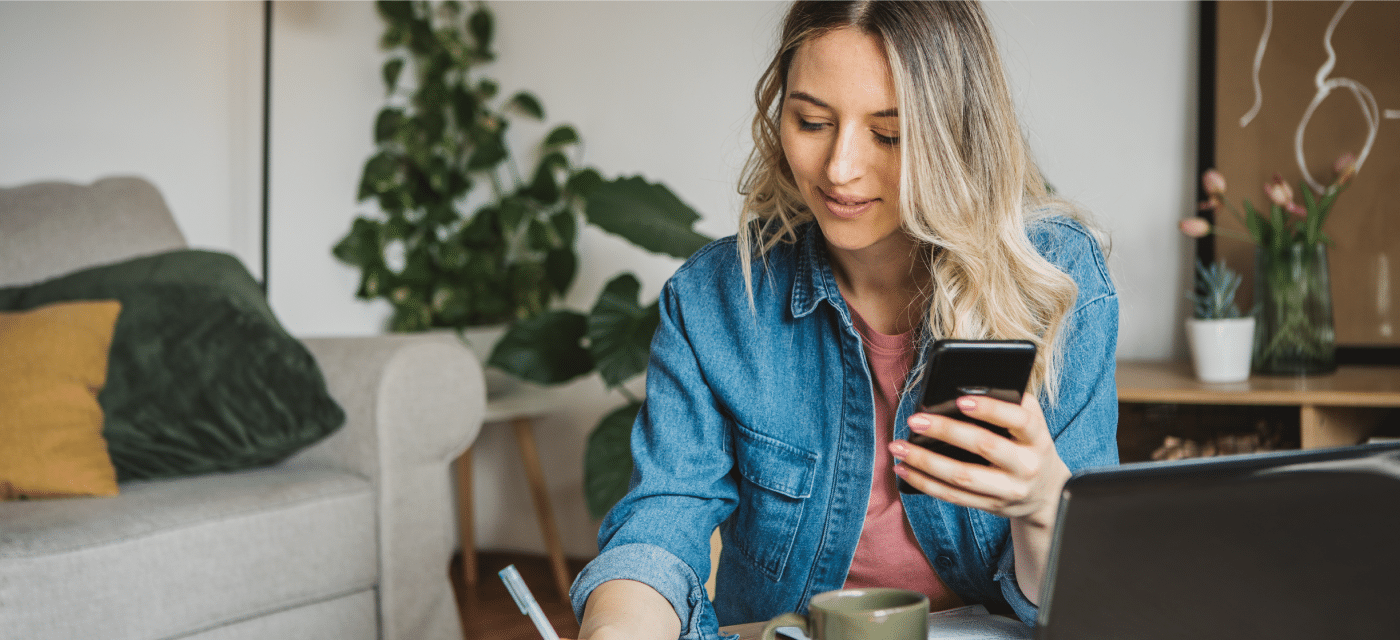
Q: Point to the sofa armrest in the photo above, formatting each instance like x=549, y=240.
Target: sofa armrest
x=413, y=403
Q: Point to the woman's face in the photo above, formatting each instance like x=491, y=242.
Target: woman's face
x=840, y=134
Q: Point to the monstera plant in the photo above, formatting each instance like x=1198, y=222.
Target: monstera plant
x=614, y=337
x=448, y=254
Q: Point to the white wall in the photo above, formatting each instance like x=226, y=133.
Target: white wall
x=167, y=90
x=1107, y=91
x=658, y=88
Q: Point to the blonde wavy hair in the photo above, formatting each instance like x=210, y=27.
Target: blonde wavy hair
x=968, y=182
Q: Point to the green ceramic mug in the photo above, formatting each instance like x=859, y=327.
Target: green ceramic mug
x=859, y=614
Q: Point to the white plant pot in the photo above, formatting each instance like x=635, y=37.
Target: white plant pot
x=1221, y=349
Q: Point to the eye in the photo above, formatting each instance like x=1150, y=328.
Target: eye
x=808, y=125
x=889, y=141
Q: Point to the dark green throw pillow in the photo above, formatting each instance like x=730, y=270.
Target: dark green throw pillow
x=201, y=376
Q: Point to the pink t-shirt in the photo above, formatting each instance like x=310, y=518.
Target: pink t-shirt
x=887, y=554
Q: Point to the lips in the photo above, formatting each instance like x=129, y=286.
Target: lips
x=846, y=206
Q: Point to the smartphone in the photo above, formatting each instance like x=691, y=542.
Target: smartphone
x=995, y=368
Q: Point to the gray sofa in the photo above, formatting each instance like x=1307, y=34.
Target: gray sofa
x=349, y=539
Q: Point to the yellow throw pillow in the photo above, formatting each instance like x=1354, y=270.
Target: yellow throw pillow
x=53, y=363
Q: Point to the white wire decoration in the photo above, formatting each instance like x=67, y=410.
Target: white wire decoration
x=1365, y=100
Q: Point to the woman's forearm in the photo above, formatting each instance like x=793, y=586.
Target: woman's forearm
x=628, y=610
x=1031, y=536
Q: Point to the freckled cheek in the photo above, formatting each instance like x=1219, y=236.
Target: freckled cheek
x=803, y=160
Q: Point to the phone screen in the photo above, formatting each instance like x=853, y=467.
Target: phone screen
x=996, y=368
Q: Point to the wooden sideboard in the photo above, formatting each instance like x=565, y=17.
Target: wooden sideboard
x=1337, y=409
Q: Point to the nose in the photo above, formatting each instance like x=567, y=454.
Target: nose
x=847, y=160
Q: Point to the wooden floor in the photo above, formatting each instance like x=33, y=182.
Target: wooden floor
x=489, y=613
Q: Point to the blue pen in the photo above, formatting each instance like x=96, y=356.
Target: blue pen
x=526, y=601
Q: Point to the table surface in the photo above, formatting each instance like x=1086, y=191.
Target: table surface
x=1169, y=382
x=508, y=398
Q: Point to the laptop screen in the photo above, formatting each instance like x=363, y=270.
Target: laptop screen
x=1302, y=544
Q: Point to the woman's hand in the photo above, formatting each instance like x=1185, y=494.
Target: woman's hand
x=1024, y=478
x=1023, y=481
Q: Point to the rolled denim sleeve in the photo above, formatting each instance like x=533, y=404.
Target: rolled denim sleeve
x=655, y=567
x=681, y=487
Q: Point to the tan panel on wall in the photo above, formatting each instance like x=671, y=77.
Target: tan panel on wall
x=1365, y=223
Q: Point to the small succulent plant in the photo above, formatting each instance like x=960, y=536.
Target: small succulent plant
x=1214, y=295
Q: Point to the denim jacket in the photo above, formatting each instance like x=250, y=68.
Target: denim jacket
x=759, y=419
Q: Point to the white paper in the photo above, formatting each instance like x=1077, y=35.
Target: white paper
x=974, y=623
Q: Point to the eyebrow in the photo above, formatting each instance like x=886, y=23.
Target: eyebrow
x=807, y=97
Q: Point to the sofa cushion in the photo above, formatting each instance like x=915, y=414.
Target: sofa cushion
x=48, y=228
x=53, y=363
x=202, y=377
x=171, y=557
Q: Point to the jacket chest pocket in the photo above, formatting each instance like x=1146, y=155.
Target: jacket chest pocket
x=776, y=481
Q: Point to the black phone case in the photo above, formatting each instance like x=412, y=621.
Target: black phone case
x=996, y=368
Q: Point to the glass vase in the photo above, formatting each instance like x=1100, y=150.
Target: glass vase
x=1293, y=332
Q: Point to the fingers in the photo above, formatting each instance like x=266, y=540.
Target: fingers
x=1017, y=463
x=1025, y=421
x=1010, y=454
x=972, y=485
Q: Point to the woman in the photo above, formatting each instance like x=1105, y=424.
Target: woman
x=890, y=201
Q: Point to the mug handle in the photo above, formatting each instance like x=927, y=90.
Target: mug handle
x=770, y=630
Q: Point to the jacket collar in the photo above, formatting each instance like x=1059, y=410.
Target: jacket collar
x=815, y=281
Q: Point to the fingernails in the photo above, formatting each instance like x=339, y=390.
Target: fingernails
x=900, y=471
x=919, y=424
x=967, y=403
x=899, y=449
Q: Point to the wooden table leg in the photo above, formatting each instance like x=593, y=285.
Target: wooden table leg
x=1336, y=426
x=466, y=519
x=529, y=454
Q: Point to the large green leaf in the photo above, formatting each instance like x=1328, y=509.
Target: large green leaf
x=488, y=153
x=561, y=135
x=379, y=175
x=545, y=188
x=607, y=461
x=528, y=104
x=584, y=182
x=484, y=229
x=566, y=226
x=620, y=331
x=364, y=245
x=482, y=27
x=386, y=125
x=392, y=69
x=646, y=214
x=395, y=12
x=546, y=348
x=514, y=212
x=464, y=106
x=560, y=265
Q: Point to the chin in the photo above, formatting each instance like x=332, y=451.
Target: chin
x=856, y=234
x=853, y=235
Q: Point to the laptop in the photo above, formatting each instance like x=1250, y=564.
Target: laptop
x=1277, y=546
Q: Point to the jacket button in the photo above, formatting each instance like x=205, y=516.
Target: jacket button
x=943, y=562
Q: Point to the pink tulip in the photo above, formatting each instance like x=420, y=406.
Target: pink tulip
x=1214, y=182
x=1345, y=167
x=1197, y=227
x=1279, y=192
x=1296, y=210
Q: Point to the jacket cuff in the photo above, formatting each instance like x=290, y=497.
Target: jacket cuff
x=1011, y=589
x=657, y=568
